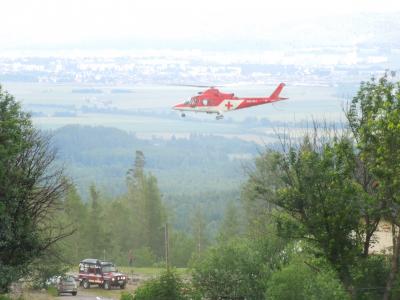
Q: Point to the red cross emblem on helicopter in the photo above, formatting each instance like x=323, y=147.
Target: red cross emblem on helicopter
x=228, y=105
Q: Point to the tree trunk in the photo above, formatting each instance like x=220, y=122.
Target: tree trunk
x=394, y=264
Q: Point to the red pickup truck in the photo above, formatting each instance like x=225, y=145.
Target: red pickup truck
x=102, y=273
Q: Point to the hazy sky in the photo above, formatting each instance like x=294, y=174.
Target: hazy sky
x=56, y=23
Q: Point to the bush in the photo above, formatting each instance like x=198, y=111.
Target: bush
x=168, y=286
x=299, y=281
x=369, y=277
x=231, y=271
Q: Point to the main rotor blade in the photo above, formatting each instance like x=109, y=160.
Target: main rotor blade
x=194, y=85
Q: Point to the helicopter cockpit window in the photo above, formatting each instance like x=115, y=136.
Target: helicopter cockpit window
x=193, y=101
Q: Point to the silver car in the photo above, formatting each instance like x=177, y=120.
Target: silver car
x=65, y=284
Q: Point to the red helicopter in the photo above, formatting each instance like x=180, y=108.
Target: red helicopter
x=213, y=101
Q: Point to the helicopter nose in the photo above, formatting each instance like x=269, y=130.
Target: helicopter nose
x=178, y=106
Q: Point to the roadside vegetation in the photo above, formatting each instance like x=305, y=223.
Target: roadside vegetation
x=303, y=229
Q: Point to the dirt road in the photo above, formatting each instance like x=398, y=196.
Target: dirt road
x=84, y=297
x=96, y=293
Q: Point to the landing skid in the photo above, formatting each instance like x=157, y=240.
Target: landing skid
x=219, y=117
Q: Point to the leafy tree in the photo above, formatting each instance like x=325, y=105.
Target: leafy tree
x=374, y=117
x=370, y=276
x=319, y=199
x=259, y=193
x=30, y=190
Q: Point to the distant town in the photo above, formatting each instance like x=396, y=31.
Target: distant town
x=324, y=66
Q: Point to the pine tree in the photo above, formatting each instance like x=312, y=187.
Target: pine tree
x=231, y=225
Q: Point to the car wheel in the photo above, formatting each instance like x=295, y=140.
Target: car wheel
x=122, y=286
x=106, y=285
x=86, y=284
x=73, y=293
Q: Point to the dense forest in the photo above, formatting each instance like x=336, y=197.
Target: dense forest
x=302, y=226
x=202, y=171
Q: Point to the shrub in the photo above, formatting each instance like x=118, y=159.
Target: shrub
x=299, y=281
x=231, y=271
x=369, y=277
x=168, y=286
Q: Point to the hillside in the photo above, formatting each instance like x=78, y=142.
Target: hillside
x=201, y=170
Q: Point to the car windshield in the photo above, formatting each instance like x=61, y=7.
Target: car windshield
x=69, y=279
x=108, y=268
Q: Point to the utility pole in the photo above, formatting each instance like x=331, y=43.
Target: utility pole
x=199, y=240
x=166, y=240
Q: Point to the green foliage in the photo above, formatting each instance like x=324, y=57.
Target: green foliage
x=30, y=191
x=374, y=117
x=259, y=193
x=232, y=224
x=198, y=169
x=181, y=247
x=199, y=231
x=232, y=270
x=370, y=277
x=144, y=202
x=144, y=257
x=298, y=281
x=299, y=274
x=168, y=286
x=46, y=266
x=113, y=228
x=52, y=291
x=126, y=296
x=74, y=211
x=318, y=198
x=95, y=230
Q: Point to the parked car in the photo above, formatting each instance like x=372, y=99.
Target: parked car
x=64, y=284
x=102, y=273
